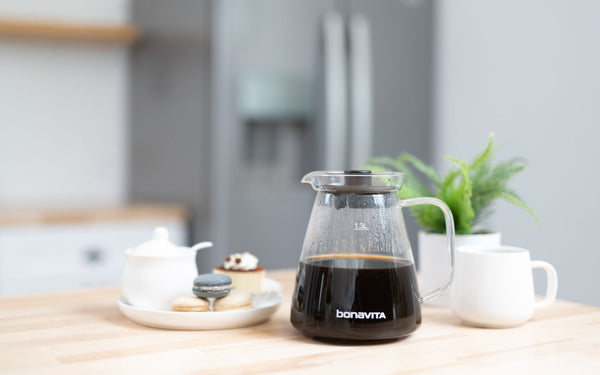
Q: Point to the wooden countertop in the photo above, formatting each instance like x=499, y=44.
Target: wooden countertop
x=83, y=332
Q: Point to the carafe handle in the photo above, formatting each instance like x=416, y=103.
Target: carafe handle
x=449, y=234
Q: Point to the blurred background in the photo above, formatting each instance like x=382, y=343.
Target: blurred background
x=202, y=116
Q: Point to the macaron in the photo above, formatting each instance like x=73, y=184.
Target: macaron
x=190, y=304
x=211, y=285
x=234, y=301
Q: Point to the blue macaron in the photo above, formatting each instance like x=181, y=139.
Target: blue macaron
x=212, y=285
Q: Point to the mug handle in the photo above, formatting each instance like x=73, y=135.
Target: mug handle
x=552, y=282
x=449, y=235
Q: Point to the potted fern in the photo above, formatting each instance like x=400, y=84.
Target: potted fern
x=469, y=189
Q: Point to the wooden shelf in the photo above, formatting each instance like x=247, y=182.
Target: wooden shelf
x=19, y=217
x=120, y=34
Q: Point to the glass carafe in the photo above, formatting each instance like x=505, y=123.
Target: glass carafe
x=356, y=277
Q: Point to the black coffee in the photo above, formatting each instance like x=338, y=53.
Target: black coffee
x=356, y=297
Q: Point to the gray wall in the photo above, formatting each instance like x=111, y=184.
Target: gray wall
x=64, y=110
x=530, y=71
x=170, y=107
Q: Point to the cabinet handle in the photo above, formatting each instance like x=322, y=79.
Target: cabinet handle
x=361, y=91
x=93, y=256
x=334, y=56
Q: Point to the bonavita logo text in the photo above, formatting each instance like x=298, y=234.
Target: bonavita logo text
x=359, y=315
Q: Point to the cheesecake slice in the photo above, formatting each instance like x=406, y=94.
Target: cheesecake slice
x=246, y=275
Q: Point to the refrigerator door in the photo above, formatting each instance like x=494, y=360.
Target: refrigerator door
x=268, y=121
x=301, y=86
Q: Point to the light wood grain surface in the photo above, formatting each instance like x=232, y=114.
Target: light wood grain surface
x=83, y=332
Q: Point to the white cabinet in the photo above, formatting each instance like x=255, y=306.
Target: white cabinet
x=72, y=254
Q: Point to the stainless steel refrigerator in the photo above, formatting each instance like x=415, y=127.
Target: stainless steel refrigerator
x=305, y=85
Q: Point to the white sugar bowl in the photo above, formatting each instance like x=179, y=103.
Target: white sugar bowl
x=158, y=271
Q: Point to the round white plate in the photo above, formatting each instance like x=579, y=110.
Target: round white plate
x=265, y=305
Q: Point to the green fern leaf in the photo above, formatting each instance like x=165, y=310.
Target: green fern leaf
x=420, y=166
x=460, y=198
x=469, y=190
x=512, y=197
x=486, y=154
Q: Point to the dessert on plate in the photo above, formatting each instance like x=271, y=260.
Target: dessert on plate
x=234, y=301
x=211, y=285
x=246, y=275
x=190, y=304
x=212, y=293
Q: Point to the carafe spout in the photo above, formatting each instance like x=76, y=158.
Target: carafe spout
x=310, y=178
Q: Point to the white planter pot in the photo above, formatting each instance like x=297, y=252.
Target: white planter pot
x=434, y=259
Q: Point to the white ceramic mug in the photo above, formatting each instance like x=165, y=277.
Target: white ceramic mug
x=493, y=286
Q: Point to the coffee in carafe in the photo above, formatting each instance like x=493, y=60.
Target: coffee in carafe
x=357, y=296
x=356, y=276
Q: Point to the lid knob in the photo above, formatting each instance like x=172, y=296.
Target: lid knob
x=160, y=234
x=358, y=177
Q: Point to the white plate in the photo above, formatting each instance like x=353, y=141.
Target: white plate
x=265, y=304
